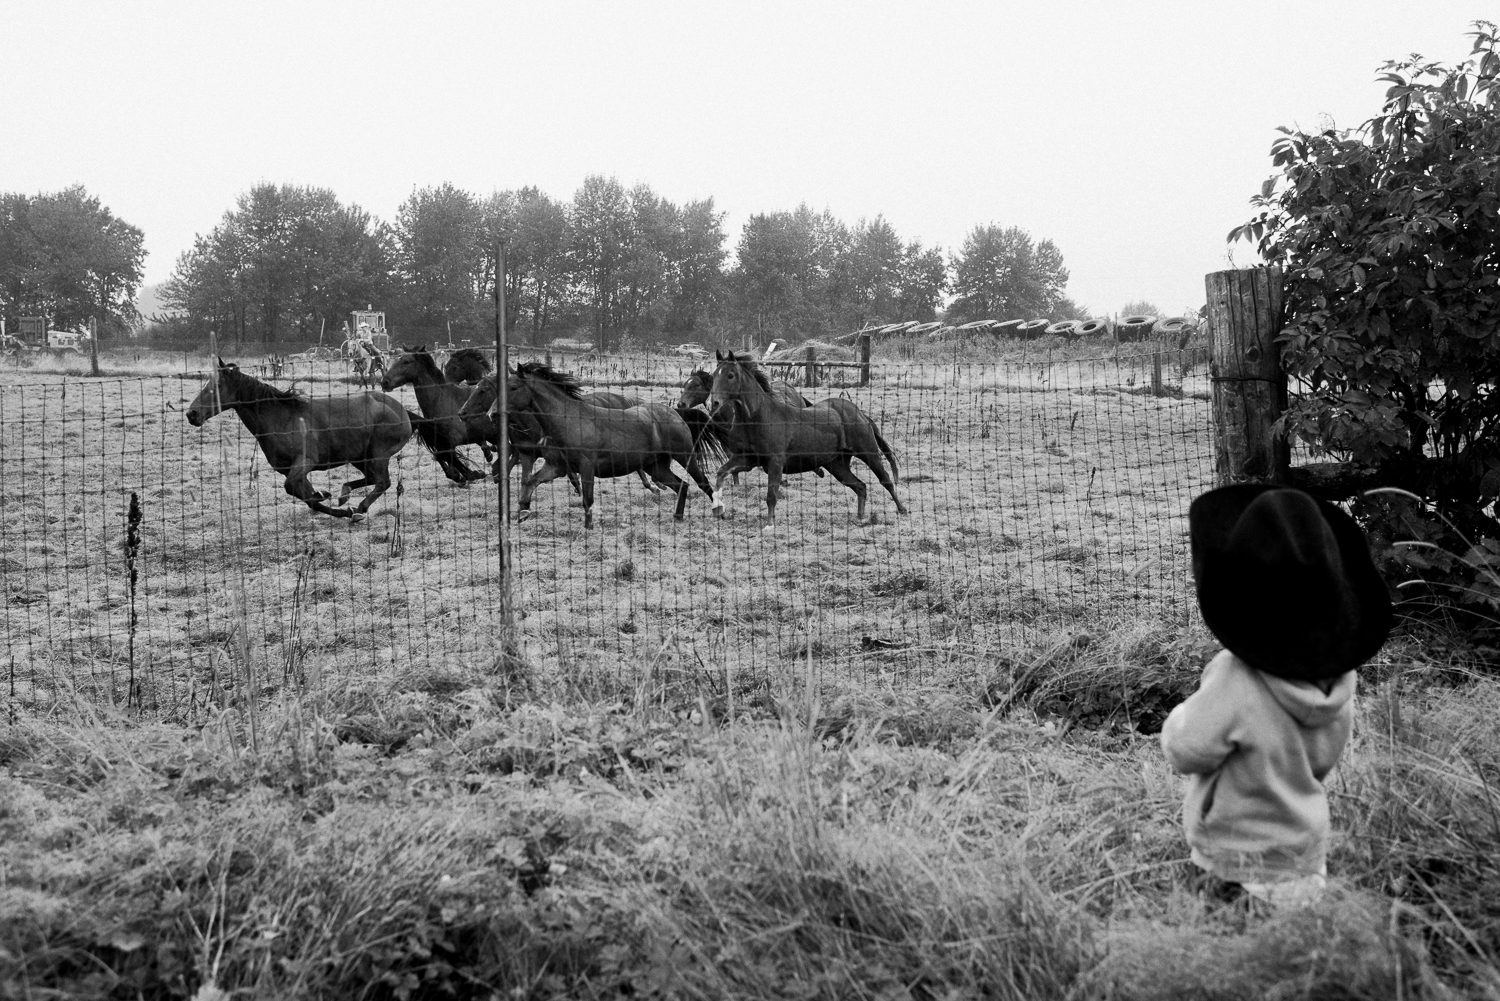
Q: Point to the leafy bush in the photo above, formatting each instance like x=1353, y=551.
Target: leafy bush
x=1386, y=238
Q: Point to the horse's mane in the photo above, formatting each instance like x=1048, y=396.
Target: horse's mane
x=249, y=389
x=699, y=375
x=423, y=356
x=472, y=354
x=747, y=361
x=569, y=384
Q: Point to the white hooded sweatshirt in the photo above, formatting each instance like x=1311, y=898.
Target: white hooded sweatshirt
x=1257, y=748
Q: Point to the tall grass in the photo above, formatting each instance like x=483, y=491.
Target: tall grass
x=915, y=843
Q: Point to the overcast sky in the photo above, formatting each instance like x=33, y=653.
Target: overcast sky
x=1132, y=134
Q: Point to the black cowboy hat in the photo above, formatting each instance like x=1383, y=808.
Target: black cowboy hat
x=1285, y=581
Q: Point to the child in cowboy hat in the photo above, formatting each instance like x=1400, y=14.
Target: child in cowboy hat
x=1286, y=583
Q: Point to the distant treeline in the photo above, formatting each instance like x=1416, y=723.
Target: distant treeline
x=612, y=264
x=66, y=257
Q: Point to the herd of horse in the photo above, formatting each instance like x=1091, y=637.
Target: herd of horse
x=735, y=416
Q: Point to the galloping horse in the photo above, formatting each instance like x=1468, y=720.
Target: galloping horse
x=440, y=401
x=299, y=435
x=594, y=442
x=700, y=383
x=526, y=436
x=760, y=431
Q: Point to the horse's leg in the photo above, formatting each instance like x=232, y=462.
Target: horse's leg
x=662, y=472
x=733, y=466
x=586, y=478
x=353, y=485
x=696, y=472
x=528, y=488
x=773, y=487
x=873, y=460
x=299, y=487
x=845, y=475
x=646, y=481
x=377, y=471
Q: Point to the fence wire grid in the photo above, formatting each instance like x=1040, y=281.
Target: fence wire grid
x=142, y=557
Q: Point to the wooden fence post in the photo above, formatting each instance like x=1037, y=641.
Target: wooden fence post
x=864, y=359
x=812, y=368
x=1156, y=386
x=1249, y=386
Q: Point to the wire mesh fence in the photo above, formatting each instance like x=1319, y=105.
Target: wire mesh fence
x=143, y=558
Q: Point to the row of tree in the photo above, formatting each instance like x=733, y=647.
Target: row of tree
x=66, y=257
x=289, y=263
x=615, y=263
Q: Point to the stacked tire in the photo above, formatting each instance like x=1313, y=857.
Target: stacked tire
x=1135, y=328
x=1177, y=330
x=1099, y=327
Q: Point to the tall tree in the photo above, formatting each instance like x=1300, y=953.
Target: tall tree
x=924, y=279
x=791, y=275
x=284, y=262
x=538, y=259
x=1001, y=273
x=599, y=230
x=875, y=272
x=699, y=268
x=68, y=257
x=440, y=262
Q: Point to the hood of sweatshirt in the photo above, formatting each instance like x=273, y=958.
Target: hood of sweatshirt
x=1306, y=702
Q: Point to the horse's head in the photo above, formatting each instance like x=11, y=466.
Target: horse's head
x=481, y=398
x=405, y=369
x=735, y=379
x=695, y=391
x=466, y=365
x=518, y=389
x=210, y=399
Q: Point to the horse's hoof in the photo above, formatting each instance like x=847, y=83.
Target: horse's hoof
x=523, y=516
x=355, y=516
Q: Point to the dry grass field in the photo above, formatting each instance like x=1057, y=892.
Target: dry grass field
x=909, y=760
x=1040, y=495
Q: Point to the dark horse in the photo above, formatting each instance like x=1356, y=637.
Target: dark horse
x=596, y=442
x=526, y=436
x=760, y=431
x=700, y=384
x=467, y=365
x=440, y=401
x=299, y=435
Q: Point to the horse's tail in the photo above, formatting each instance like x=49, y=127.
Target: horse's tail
x=708, y=434
x=446, y=456
x=885, y=447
